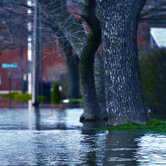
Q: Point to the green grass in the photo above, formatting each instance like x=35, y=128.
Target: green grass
x=76, y=100
x=155, y=126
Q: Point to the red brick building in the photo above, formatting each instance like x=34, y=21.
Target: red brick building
x=53, y=66
x=146, y=40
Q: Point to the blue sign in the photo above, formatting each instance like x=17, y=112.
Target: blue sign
x=9, y=65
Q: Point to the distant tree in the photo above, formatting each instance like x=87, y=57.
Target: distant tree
x=13, y=32
x=72, y=32
x=72, y=63
x=14, y=35
x=13, y=25
x=55, y=18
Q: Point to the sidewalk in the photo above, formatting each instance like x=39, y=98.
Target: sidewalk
x=5, y=103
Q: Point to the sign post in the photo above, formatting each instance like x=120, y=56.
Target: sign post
x=10, y=81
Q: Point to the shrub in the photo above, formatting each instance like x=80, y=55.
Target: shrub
x=22, y=97
x=18, y=96
x=153, y=75
x=56, y=94
x=7, y=95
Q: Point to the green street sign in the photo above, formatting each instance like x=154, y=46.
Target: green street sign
x=9, y=65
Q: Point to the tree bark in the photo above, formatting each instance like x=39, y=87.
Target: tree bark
x=124, y=95
x=100, y=83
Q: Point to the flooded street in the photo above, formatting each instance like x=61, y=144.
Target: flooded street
x=52, y=137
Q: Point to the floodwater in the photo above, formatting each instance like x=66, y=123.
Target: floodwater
x=51, y=137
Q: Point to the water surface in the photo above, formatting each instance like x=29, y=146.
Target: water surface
x=51, y=137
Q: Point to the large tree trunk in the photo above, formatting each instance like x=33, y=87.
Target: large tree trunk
x=124, y=95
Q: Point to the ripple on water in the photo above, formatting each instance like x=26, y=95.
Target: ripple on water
x=151, y=150
x=57, y=138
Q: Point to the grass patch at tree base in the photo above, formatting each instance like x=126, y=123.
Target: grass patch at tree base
x=155, y=126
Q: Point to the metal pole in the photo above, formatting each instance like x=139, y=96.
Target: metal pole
x=9, y=79
x=21, y=65
x=35, y=55
x=29, y=53
x=41, y=51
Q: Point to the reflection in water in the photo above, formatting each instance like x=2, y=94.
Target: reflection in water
x=121, y=146
x=37, y=115
x=34, y=118
x=94, y=141
x=49, y=137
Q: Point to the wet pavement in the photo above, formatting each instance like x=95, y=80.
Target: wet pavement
x=55, y=137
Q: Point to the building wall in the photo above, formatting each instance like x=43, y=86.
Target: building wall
x=53, y=66
x=12, y=56
x=144, y=35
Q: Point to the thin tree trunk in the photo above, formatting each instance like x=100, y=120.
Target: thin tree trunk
x=91, y=106
x=71, y=36
x=72, y=64
x=124, y=95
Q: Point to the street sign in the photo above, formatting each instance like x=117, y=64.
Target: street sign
x=9, y=65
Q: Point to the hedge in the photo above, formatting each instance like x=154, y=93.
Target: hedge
x=153, y=75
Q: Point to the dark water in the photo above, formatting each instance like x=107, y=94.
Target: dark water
x=56, y=137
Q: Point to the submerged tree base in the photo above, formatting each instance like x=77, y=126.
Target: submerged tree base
x=92, y=117
x=157, y=126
